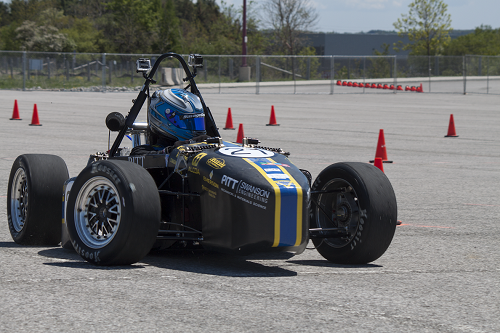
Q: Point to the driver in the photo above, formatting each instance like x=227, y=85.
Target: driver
x=175, y=117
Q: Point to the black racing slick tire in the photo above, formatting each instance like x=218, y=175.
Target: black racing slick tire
x=359, y=198
x=34, y=199
x=114, y=213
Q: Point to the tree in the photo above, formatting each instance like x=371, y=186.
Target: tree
x=169, y=34
x=483, y=41
x=134, y=25
x=42, y=38
x=288, y=19
x=427, y=25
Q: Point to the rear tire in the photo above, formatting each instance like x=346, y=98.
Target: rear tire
x=114, y=213
x=34, y=199
x=367, y=208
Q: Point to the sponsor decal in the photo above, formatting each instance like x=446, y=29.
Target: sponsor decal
x=189, y=116
x=277, y=176
x=286, y=183
x=264, y=163
x=229, y=182
x=137, y=160
x=211, y=193
x=97, y=167
x=245, y=192
x=197, y=159
x=216, y=163
x=94, y=256
x=253, y=192
x=246, y=152
x=267, y=170
x=173, y=161
x=211, y=182
x=194, y=170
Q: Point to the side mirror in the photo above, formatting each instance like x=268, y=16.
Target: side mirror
x=143, y=65
x=195, y=60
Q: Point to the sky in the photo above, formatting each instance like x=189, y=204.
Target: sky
x=365, y=15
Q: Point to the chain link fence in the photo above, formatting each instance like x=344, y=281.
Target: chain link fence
x=261, y=75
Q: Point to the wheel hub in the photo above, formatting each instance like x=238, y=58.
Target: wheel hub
x=103, y=213
x=19, y=199
x=344, y=213
x=99, y=209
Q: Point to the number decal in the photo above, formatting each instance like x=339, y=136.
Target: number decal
x=246, y=152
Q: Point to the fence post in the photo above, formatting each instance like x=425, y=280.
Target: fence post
x=308, y=75
x=464, y=69
x=67, y=69
x=395, y=74
x=257, y=75
x=230, y=69
x=104, y=72
x=205, y=69
x=48, y=68
x=24, y=70
x=131, y=71
x=364, y=74
x=430, y=70
x=488, y=75
x=349, y=68
x=219, y=74
x=110, y=71
x=332, y=73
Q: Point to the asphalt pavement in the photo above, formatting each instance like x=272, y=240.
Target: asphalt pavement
x=440, y=274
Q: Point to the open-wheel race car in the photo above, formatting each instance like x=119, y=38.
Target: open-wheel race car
x=196, y=191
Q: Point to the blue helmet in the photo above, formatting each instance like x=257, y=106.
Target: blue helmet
x=176, y=114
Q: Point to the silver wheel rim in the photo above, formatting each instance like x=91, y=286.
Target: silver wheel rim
x=97, y=212
x=344, y=212
x=19, y=200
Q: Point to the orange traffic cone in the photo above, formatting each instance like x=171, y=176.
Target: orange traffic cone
x=420, y=89
x=339, y=83
x=381, y=150
x=34, y=120
x=378, y=163
x=272, y=119
x=229, y=120
x=241, y=135
x=451, y=128
x=400, y=88
x=15, y=113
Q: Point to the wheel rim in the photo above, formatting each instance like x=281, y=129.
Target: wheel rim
x=97, y=212
x=19, y=200
x=339, y=210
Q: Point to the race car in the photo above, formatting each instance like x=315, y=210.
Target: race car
x=238, y=198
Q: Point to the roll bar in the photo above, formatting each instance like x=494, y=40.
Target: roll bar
x=144, y=93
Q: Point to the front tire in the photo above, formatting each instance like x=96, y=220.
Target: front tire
x=34, y=199
x=360, y=198
x=114, y=213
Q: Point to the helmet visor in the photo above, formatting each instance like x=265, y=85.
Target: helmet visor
x=190, y=122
